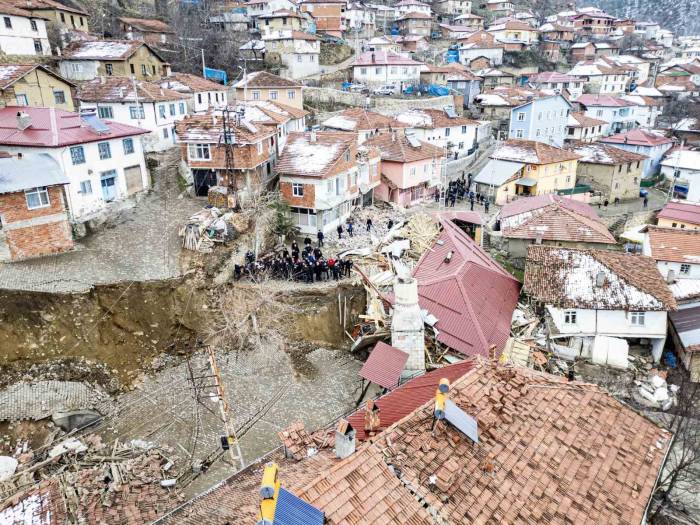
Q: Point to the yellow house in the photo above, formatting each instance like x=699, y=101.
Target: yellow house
x=684, y=215
x=119, y=58
x=282, y=20
x=34, y=85
x=63, y=16
x=526, y=167
x=262, y=85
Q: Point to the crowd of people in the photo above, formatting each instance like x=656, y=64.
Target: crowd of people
x=307, y=265
x=459, y=190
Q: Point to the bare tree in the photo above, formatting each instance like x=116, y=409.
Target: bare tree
x=678, y=481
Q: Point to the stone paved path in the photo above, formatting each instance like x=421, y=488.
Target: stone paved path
x=141, y=244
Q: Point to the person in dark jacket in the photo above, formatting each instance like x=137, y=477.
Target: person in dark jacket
x=339, y=229
x=320, y=236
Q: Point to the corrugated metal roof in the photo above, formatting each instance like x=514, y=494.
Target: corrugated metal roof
x=292, y=510
x=403, y=400
x=31, y=171
x=384, y=365
x=472, y=297
x=686, y=322
x=496, y=172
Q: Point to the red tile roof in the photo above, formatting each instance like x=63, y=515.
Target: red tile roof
x=528, y=204
x=39, y=5
x=638, y=137
x=603, y=100
x=121, y=89
x=472, y=297
x=399, y=149
x=401, y=401
x=384, y=365
x=11, y=73
x=383, y=58
x=148, y=25
x=681, y=211
x=551, y=76
x=674, y=244
x=51, y=127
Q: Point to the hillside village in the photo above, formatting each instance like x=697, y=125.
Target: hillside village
x=299, y=262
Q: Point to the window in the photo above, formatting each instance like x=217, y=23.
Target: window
x=37, y=46
x=199, y=151
x=22, y=100
x=153, y=70
x=199, y=98
x=63, y=18
x=685, y=269
x=72, y=20
x=290, y=94
x=182, y=108
x=346, y=157
x=173, y=112
x=299, y=58
x=165, y=133
x=59, y=97
x=637, y=318
x=519, y=134
x=464, y=129
x=37, y=198
x=109, y=69
x=569, y=316
x=32, y=23
x=143, y=70
x=82, y=22
x=539, y=116
x=412, y=172
x=447, y=132
x=256, y=95
x=298, y=190
x=537, y=132
x=363, y=70
x=521, y=116
x=161, y=110
x=273, y=95
x=259, y=148
x=137, y=112
x=77, y=155
x=86, y=187
x=105, y=112
x=8, y=22
x=599, y=113
x=128, y=146
x=105, y=150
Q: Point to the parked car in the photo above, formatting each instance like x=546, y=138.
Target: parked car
x=388, y=89
x=358, y=88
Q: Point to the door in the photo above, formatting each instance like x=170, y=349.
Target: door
x=203, y=179
x=108, y=181
x=134, y=179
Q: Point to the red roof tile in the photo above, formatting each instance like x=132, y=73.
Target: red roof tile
x=51, y=127
x=528, y=204
x=383, y=58
x=682, y=212
x=472, y=297
x=603, y=100
x=384, y=365
x=674, y=244
x=403, y=400
x=638, y=137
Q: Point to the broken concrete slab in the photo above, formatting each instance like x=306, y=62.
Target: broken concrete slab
x=75, y=419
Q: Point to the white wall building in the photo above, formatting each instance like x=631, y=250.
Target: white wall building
x=21, y=33
x=675, y=250
x=204, y=94
x=376, y=68
x=442, y=128
x=104, y=161
x=148, y=106
x=683, y=168
x=299, y=52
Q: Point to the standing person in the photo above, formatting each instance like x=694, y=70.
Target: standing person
x=471, y=204
x=320, y=236
x=348, y=267
x=452, y=200
x=437, y=195
x=295, y=250
x=486, y=205
x=390, y=224
x=646, y=201
x=307, y=241
x=350, y=229
x=339, y=229
x=369, y=224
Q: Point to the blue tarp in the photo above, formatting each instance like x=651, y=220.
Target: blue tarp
x=438, y=91
x=346, y=85
x=292, y=510
x=216, y=74
x=408, y=90
x=394, y=31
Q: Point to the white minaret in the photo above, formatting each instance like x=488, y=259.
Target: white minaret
x=407, y=324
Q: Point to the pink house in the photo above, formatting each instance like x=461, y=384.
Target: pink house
x=409, y=168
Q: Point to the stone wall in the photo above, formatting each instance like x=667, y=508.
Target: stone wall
x=386, y=105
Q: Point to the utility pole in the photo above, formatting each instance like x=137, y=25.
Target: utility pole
x=204, y=67
x=222, y=401
x=229, y=139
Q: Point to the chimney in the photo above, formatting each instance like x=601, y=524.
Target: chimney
x=448, y=257
x=407, y=331
x=538, y=237
x=102, y=79
x=600, y=279
x=344, y=439
x=312, y=136
x=372, y=419
x=441, y=398
x=671, y=277
x=19, y=155
x=23, y=120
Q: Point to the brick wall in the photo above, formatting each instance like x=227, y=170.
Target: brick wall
x=43, y=239
x=13, y=206
x=244, y=157
x=306, y=201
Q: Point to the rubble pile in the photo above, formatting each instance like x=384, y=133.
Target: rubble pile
x=361, y=238
x=90, y=480
x=421, y=230
x=206, y=228
x=654, y=391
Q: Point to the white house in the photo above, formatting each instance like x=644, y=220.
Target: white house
x=22, y=32
x=359, y=18
x=648, y=109
x=204, y=94
x=473, y=50
x=287, y=119
x=601, y=77
x=376, y=68
x=442, y=128
x=133, y=102
x=299, y=52
x=620, y=114
x=653, y=145
x=103, y=160
x=683, y=168
x=404, y=7
x=675, y=250
x=543, y=119
x=589, y=293
x=557, y=82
